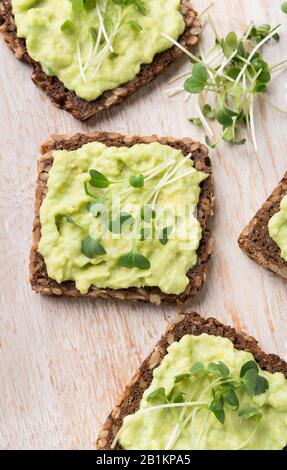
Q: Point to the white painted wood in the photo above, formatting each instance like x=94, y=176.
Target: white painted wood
x=63, y=362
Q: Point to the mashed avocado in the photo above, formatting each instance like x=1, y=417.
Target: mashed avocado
x=278, y=228
x=73, y=46
x=153, y=430
x=171, y=235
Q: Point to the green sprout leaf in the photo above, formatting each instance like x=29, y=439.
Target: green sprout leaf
x=197, y=368
x=176, y=396
x=181, y=378
x=229, y=45
x=217, y=408
x=98, y=180
x=70, y=220
x=232, y=399
x=249, y=381
x=247, y=366
x=145, y=234
x=137, y=181
x=218, y=368
x=248, y=413
x=198, y=80
x=209, y=112
x=158, y=394
x=93, y=33
x=196, y=122
x=165, y=234
x=284, y=7
x=68, y=27
x=77, y=6
x=92, y=248
x=147, y=213
x=123, y=220
x=135, y=26
x=133, y=259
x=262, y=385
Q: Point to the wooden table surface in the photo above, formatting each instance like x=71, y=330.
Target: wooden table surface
x=63, y=362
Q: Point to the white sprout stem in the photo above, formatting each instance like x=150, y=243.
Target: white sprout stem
x=190, y=172
x=275, y=30
x=277, y=108
x=173, y=91
x=165, y=177
x=228, y=60
x=201, y=116
x=79, y=57
x=275, y=66
x=89, y=57
x=193, y=57
x=249, y=438
x=190, y=404
x=103, y=28
x=206, y=9
x=96, y=48
x=252, y=124
x=204, y=427
x=178, y=77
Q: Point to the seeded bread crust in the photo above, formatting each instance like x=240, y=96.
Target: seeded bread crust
x=255, y=239
x=40, y=280
x=68, y=100
x=190, y=323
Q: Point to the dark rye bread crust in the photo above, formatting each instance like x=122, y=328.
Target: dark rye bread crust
x=190, y=323
x=255, y=239
x=40, y=280
x=68, y=100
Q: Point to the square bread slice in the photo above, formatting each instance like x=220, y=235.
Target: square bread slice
x=255, y=239
x=68, y=100
x=190, y=323
x=40, y=280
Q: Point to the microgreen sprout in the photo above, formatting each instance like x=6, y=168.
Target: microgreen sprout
x=284, y=7
x=219, y=392
x=111, y=18
x=226, y=81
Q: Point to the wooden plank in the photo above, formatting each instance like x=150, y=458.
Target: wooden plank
x=63, y=362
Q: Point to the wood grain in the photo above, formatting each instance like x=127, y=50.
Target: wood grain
x=63, y=362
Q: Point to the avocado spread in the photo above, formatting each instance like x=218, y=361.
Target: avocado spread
x=96, y=46
x=199, y=371
x=278, y=228
x=121, y=217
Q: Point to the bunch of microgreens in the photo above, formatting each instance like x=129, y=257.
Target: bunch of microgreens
x=222, y=393
x=144, y=224
x=102, y=39
x=226, y=81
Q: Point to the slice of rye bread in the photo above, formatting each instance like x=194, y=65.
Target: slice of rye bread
x=38, y=274
x=68, y=100
x=255, y=239
x=190, y=323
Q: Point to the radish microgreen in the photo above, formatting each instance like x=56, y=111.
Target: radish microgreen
x=112, y=17
x=231, y=76
x=284, y=7
x=92, y=248
x=133, y=259
x=219, y=392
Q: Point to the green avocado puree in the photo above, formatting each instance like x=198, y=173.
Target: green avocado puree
x=60, y=243
x=278, y=228
x=74, y=56
x=152, y=431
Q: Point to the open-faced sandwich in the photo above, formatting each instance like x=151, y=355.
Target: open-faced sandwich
x=122, y=217
x=89, y=55
x=265, y=237
x=205, y=387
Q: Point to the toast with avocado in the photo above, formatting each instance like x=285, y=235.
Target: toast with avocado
x=204, y=386
x=88, y=56
x=265, y=237
x=122, y=217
